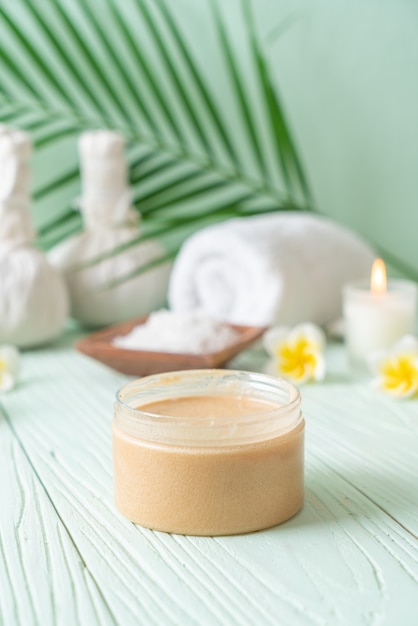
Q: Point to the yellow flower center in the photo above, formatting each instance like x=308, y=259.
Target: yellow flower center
x=298, y=358
x=400, y=372
x=3, y=368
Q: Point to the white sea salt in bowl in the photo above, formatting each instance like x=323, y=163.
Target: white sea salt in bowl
x=166, y=356
x=191, y=332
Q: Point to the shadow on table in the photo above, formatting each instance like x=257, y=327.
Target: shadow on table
x=72, y=332
x=331, y=498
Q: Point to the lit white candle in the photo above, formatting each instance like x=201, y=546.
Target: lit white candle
x=376, y=316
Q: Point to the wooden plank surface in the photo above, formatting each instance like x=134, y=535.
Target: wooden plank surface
x=67, y=557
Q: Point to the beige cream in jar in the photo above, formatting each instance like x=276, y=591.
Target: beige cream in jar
x=208, y=452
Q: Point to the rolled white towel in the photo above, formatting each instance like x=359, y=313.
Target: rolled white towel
x=277, y=268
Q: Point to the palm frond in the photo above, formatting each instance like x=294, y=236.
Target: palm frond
x=131, y=67
x=84, y=94
x=285, y=149
x=241, y=95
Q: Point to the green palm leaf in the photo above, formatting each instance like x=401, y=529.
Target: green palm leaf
x=129, y=66
x=188, y=150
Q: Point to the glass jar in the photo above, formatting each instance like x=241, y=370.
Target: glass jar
x=233, y=465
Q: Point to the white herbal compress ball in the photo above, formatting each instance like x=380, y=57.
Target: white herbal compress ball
x=33, y=297
x=109, y=221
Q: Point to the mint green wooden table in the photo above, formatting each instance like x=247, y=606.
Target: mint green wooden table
x=67, y=557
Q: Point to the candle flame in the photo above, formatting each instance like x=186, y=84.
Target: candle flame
x=378, y=278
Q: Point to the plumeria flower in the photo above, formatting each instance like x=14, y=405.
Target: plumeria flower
x=396, y=370
x=9, y=367
x=297, y=353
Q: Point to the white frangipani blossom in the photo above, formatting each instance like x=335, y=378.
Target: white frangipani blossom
x=396, y=369
x=297, y=353
x=9, y=367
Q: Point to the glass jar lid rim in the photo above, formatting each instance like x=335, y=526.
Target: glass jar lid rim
x=208, y=431
x=157, y=380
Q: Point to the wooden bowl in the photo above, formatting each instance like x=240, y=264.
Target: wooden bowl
x=99, y=346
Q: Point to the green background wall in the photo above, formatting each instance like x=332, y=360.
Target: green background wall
x=348, y=71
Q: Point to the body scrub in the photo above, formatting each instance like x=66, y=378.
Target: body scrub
x=208, y=452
